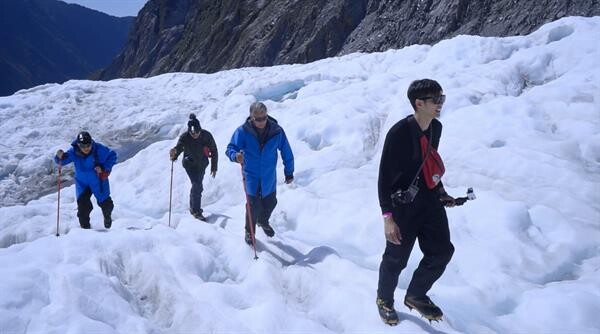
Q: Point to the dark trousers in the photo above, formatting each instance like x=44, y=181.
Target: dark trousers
x=261, y=209
x=425, y=220
x=84, y=208
x=196, y=177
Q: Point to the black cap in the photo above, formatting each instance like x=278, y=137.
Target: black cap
x=84, y=138
x=194, y=124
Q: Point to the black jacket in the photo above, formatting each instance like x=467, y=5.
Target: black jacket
x=402, y=157
x=197, y=151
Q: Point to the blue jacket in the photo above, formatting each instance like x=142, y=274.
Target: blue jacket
x=260, y=162
x=85, y=175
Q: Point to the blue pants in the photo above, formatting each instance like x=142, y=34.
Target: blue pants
x=196, y=177
x=261, y=208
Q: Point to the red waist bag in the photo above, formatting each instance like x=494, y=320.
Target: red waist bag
x=207, y=152
x=433, y=168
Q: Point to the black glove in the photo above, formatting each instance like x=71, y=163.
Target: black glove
x=289, y=179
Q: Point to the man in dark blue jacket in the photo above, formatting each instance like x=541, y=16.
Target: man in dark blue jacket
x=93, y=164
x=255, y=145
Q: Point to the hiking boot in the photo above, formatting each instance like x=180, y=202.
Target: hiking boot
x=198, y=215
x=424, y=306
x=248, y=238
x=85, y=226
x=387, y=312
x=268, y=230
x=107, y=222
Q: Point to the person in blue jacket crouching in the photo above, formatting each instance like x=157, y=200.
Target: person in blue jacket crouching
x=93, y=164
x=254, y=145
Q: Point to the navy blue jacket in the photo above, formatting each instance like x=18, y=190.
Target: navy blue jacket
x=260, y=161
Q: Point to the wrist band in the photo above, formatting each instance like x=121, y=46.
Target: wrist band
x=387, y=215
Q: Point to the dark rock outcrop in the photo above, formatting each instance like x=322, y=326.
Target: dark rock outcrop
x=51, y=41
x=394, y=24
x=211, y=35
x=225, y=34
x=157, y=31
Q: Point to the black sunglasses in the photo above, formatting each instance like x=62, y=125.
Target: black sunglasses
x=84, y=145
x=440, y=99
x=259, y=119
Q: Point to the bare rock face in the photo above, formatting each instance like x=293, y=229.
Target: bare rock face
x=212, y=35
x=394, y=24
x=230, y=34
x=157, y=30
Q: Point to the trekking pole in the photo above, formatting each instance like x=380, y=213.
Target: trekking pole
x=58, y=202
x=171, y=191
x=249, y=212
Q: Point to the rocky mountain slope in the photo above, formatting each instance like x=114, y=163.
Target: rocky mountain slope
x=211, y=35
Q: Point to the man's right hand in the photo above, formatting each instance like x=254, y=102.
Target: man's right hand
x=59, y=154
x=392, y=231
x=173, y=154
x=239, y=157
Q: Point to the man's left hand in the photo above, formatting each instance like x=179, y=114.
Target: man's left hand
x=289, y=179
x=213, y=173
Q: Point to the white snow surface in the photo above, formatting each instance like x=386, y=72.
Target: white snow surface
x=521, y=126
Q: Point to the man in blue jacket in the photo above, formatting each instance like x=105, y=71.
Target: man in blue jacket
x=255, y=145
x=93, y=164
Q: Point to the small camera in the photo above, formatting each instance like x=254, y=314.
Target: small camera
x=462, y=200
x=470, y=194
x=405, y=196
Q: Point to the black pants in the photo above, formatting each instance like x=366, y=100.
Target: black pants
x=196, y=177
x=84, y=208
x=261, y=208
x=425, y=220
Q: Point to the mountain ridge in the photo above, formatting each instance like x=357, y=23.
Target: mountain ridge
x=209, y=36
x=51, y=41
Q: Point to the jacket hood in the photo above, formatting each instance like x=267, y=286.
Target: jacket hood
x=269, y=119
x=273, y=127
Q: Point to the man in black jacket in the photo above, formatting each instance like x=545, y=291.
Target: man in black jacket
x=412, y=200
x=197, y=146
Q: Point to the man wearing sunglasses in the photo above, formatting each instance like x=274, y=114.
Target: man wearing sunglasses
x=93, y=164
x=255, y=145
x=412, y=200
x=197, y=145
